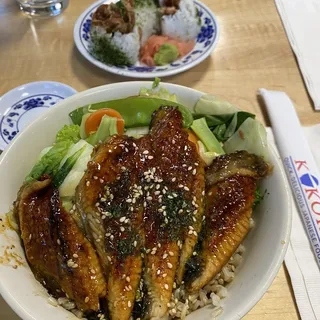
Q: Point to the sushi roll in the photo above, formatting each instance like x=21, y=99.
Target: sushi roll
x=115, y=36
x=180, y=19
x=147, y=19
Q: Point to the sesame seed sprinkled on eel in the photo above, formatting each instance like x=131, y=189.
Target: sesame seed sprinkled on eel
x=110, y=201
x=60, y=256
x=231, y=184
x=173, y=208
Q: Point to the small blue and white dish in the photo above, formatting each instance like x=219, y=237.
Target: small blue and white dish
x=21, y=105
x=206, y=42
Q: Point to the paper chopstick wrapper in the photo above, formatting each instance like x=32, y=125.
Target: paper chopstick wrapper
x=301, y=22
x=301, y=169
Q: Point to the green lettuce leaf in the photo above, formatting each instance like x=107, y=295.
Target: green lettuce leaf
x=49, y=163
x=69, y=133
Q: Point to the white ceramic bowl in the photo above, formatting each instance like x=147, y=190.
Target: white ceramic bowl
x=266, y=243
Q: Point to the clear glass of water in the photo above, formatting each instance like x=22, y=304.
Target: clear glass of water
x=42, y=8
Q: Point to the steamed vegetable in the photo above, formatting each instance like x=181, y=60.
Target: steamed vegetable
x=136, y=111
x=203, y=132
x=66, y=168
x=222, y=117
x=107, y=128
x=225, y=125
x=206, y=156
x=83, y=133
x=68, y=186
x=211, y=105
x=69, y=133
x=158, y=92
x=225, y=131
x=49, y=163
x=93, y=121
x=137, y=132
x=251, y=136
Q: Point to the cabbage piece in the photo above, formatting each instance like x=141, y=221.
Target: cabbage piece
x=252, y=137
x=137, y=132
x=212, y=105
x=66, y=168
x=49, y=163
x=68, y=186
x=158, y=92
x=107, y=128
x=206, y=156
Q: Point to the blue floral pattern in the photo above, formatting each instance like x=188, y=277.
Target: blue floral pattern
x=9, y=124
x=205, y=40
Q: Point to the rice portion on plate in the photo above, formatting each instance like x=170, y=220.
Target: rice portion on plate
x=147, y=20
x=117, y=47
x=184, y=24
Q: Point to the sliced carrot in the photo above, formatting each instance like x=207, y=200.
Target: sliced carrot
x=94, y=120
x=193, y=138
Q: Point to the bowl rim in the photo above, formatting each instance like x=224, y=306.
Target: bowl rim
x=19, y=309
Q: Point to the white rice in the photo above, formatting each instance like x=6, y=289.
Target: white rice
x=148, y=22
x=182, y=304
x=128, y=43
x=184, y=24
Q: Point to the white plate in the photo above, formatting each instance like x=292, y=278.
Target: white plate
x=22, y=105
x=206, y=42
x=265, y=245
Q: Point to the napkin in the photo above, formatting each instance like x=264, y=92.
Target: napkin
x=300, y=261
x=301, y=19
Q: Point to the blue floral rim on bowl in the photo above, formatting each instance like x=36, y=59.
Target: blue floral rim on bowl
x=205, y=44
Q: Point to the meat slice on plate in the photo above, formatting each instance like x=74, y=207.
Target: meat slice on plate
x=173, y=207
x=60, y=256
x=109, y=198
x=231, y=182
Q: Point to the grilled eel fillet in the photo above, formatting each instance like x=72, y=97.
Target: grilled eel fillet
x=173, y=207
x=58, y=253
x=231, y=184
x=109, y=199
x=147, y=195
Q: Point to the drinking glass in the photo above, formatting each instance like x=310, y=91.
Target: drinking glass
x=42, y=8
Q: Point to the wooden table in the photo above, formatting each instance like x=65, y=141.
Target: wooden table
x=253, y=52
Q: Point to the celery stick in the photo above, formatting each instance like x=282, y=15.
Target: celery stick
x=203, y=132
x=107, y=128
